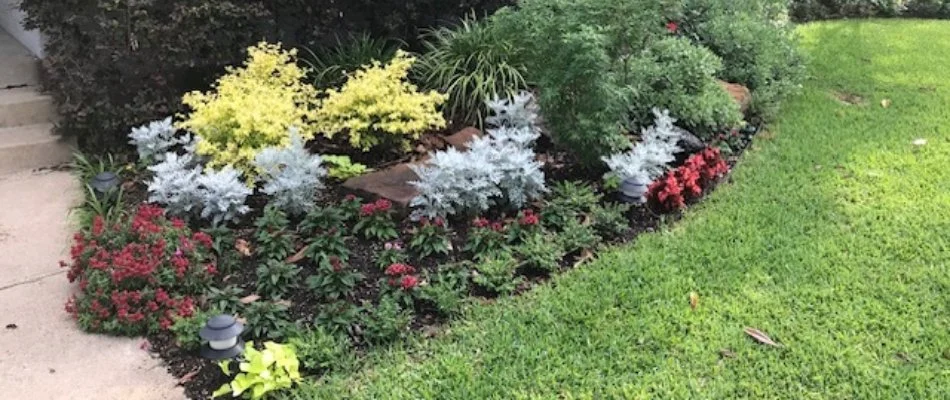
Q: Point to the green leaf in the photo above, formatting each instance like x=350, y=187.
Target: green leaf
x=223, y=390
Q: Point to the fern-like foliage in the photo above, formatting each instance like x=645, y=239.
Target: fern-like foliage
x=292, y=175
x=648, y=159
x=223, y=194
x=175, y=184
x=156, y=138
x=185, y=189
x=498, y=169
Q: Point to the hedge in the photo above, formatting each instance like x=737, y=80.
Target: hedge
x=113, y=64
x=810, y=10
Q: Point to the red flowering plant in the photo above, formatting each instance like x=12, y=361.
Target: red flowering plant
x=401, y=281
x=334, y=280
x=676, y=187
x=376, y=221
x=485, y=237
x=138, y=275
x=392, y=253
x=430, y=237
x=527, y=223
x=350, y=207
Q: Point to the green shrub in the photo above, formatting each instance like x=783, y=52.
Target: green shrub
x=601, y=65
x=540, y=252
x=276, y=278
x=497, y=273
x=320, y=351
x=677, y=75
x=186, y=329
x=267, y=320
x=810, y=10
x=446, y=289
x=755, y=50
x=386, y=322
x=471, y=64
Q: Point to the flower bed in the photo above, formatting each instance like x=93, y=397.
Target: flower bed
x=250, y=203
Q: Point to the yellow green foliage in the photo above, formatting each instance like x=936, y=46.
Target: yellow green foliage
x=251, y=108
x=377, y=105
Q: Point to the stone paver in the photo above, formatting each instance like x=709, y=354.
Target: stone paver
x=46, y=356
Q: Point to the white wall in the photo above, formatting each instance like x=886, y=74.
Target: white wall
x=11, y=19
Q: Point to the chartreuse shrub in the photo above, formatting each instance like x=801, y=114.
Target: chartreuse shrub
x=251, y=108
x=377, y=105
x=262, y=372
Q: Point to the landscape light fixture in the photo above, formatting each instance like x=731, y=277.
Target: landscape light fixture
x=632, y=190
x=104, y=182
x=222, y=334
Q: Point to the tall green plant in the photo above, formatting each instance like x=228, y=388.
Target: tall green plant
x=331, y=65
x=470, y=63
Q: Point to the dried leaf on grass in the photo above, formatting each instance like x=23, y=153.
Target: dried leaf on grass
x=761, y=337
x=693, y=300
x=586, y=256
x=727, y=353
x=886, y=103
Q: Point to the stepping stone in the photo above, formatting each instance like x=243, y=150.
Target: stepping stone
x=393, y=183
x=460, y=139
x=739, y=93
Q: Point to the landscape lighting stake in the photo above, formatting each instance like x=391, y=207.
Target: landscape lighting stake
x=104, y=182
x=632, y=190
x=222, y=334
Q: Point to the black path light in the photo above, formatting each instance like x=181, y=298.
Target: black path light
x=222, y=334
x=633, y=190
x=104, y=182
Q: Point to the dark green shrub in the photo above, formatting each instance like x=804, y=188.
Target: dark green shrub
x=497, y=273
x=267, y=320
x=446, y=289
x=471, y=64
x=610, y=220
x=186, y=329
x=810, y=10
x=540, y=252
x=927, y=9
x=276, y=278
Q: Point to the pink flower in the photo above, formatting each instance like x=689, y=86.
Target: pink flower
x=672, y=27
x=480, y=222
x=408, y=282
x=367, y=209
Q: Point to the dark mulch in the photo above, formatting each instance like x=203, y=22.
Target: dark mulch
x=200, y=377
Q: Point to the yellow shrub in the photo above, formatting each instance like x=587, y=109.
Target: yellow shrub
x=252, y=107
x=377, y=104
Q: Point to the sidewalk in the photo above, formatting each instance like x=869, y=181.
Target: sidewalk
x=43, y=355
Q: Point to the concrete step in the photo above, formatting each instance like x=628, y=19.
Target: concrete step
x=28, y=147
x=24, y=106
x=17, y=66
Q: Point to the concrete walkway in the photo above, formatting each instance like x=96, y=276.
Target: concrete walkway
x=43, y=355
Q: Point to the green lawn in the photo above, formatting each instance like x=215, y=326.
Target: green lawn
x=834, y=238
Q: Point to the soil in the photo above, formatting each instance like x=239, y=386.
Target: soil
x=200, y=377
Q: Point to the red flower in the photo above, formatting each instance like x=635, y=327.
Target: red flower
x=672, y=27
x=497, y=226
x=350, y=197
x=211, y=269
x=480, y=222
x=399, y=269
x=408, y=282
x=367, y=209
x=336, y=264
x=177, y=223
x=97, y=225
x=529, y=218
x=383, y=205
x=203, y=238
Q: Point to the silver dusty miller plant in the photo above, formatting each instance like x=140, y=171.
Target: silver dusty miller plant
x=185, y=189
x=648, y=159
x=498, y=169
x=155, y=139
x=292, y=175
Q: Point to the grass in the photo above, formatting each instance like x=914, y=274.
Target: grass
x=833, y=239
